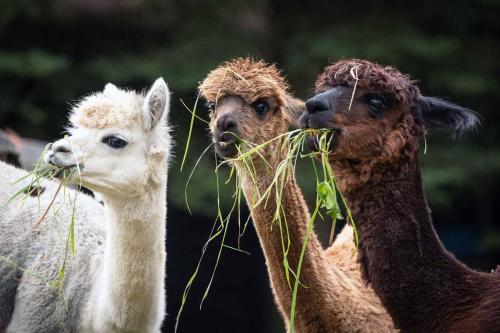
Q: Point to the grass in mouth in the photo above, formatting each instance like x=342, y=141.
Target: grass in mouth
x=292, y=146
x=33, y=188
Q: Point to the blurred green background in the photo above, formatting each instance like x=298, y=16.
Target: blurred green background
x=53, y=52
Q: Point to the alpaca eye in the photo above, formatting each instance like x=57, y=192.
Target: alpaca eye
x=211, y=106
x=377, y=105
x=114, y=142
x=377, y=102
x=260, y=107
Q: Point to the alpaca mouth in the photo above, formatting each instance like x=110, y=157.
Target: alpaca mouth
x=320, y=120
x=226, y=145
x=226, y=149
x=59, y=160
x=64, y=172
x=331, y=142
x=64, y=166
x=67, y=171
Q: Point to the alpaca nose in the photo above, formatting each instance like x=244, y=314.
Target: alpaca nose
x=226, y=123
x=60, y=148
x=318, y=103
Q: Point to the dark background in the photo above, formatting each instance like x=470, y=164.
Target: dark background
x=53, y=52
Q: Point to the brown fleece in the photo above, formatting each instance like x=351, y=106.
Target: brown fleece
x=245, y=78
x=371, y=76
x=422, y=285
x=334, y=297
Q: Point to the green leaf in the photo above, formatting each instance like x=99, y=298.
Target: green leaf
x=328, y=200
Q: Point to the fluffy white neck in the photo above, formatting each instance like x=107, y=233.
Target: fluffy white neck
x=128, y=291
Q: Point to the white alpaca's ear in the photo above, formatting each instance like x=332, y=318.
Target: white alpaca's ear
x=156, y=103
x=110, y=90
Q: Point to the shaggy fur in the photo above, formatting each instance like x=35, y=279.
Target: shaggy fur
x=112, y=108
x=335, y=299
x=115, y=280
x=370, y=77
x=375, y=158
x=245, y=78
x=39, y=253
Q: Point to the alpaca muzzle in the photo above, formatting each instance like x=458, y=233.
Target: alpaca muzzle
x=226, y=144
x=61, y=155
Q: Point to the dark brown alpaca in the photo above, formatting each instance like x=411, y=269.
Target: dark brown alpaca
x=375, y=157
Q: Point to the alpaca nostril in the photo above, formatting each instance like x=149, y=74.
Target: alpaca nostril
x=226, y=123
x=229, y=125
x=318, y=103
x=61, y=149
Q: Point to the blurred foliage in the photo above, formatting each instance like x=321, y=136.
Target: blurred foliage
x=53, y=52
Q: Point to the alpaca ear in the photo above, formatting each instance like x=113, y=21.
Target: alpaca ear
x=110, y=90
x=156, y=104
x=293, y=110
x=439, y=114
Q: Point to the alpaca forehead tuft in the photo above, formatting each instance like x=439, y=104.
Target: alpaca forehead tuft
x=246, y=78
x=122, y=109
x=371, y=76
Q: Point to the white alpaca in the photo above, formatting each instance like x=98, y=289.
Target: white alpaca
x=115, y=281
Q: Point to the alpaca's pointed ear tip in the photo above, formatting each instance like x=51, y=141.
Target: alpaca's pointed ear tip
x=157, y=103
x=160, y=83
x=109, y=88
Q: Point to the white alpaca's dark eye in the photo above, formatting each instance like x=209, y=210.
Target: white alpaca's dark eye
x=114, y=141
x=260, y=107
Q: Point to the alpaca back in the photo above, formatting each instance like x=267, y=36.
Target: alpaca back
x=31, y=257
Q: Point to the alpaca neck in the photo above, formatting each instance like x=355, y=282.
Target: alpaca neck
x=400, y=253
x=315, y=311
x=129, y=291
x=295, y=211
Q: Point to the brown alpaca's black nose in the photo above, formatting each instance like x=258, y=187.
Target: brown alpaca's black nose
x=318, y=103
x=226, y=123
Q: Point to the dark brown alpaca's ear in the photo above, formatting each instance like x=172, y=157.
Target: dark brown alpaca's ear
x=437, y=113
x=293, y=110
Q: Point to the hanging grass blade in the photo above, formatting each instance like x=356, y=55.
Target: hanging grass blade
x=191, y=124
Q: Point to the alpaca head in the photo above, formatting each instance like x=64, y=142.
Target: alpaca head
x=248, y=101
x=119, y=139
x=375, y=111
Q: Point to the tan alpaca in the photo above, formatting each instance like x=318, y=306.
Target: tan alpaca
x=250, y=99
